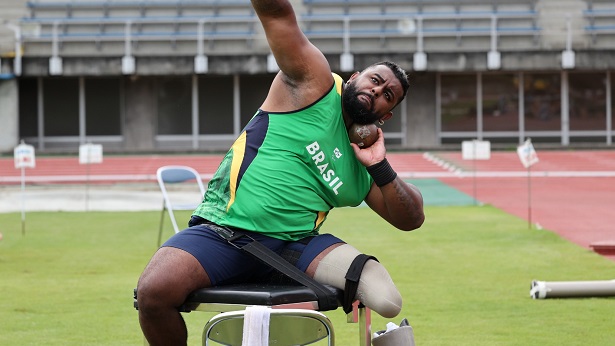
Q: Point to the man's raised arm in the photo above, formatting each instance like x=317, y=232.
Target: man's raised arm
x=296, y=56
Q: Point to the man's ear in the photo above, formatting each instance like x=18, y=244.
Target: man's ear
x=387, y=116
x=354, y=75
x=384, y=118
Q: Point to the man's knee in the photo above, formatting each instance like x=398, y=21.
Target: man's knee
x=152, y=295
x=168, y=279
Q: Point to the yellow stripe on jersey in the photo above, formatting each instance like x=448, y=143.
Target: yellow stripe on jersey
x=239, y=150
x=321, y=218
x=338, y=83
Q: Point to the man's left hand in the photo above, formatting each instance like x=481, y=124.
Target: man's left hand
x=373, y=154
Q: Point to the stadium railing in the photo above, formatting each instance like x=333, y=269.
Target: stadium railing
x=600, y=23
x=109, y=8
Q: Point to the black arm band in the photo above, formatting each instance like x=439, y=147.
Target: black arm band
x=382, y=172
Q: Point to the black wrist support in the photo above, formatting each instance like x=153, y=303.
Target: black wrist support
x=382, y=172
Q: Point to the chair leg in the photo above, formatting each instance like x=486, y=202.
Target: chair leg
x=365, y=326
x=362, y=315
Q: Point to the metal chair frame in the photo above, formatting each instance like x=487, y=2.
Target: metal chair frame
x=293, y=306
x=176, y=175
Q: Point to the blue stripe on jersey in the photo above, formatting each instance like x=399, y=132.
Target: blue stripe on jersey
x=256, y=131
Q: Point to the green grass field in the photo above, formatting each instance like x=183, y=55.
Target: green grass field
x=465, y=277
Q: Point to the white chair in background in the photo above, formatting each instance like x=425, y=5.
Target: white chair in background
x=177, y=200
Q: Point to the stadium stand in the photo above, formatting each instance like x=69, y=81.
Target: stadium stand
x=173, y=27
x=153, y=27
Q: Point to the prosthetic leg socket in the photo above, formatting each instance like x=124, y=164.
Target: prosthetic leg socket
x=394, y=335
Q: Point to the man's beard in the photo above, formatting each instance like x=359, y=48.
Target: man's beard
x=355, y=109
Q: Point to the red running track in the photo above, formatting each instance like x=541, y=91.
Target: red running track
x=143, y=168
x=572, y=192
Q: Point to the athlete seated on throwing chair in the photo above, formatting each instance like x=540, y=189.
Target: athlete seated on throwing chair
x=291, y=165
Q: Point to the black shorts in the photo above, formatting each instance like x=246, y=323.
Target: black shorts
x=226, y=264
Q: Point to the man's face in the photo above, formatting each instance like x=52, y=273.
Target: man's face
x=371, y=94
x=359, y=105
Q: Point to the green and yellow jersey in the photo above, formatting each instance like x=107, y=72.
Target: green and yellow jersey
x=286, y=171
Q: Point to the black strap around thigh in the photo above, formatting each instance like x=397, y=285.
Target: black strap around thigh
x=327, y=299
x=352, y=280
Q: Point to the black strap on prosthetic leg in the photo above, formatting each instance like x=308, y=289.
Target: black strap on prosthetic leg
x=327, y=299
x=352, y=280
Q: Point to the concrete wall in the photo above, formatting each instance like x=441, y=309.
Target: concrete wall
x=519, y=61
x=9, y=114
x=146, y=66
x=140, y=110
x=248, y=65
x=421, y=108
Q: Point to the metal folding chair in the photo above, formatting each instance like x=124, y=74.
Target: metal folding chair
x=295, y=316
x=178, y=199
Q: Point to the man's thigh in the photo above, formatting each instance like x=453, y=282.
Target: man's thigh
x=304, y=252
x=224, y=263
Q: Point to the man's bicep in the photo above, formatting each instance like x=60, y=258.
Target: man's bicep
x=295, y=55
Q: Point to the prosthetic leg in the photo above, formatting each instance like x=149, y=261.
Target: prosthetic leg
x=366, y=280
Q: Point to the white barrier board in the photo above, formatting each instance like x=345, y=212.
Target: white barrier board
x=90, y=153
x=476, y=150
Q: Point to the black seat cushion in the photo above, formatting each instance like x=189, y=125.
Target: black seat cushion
x=255, y=294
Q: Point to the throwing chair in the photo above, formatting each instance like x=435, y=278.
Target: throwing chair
x=295, y=316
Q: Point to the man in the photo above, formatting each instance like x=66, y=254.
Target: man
x=292, y=164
